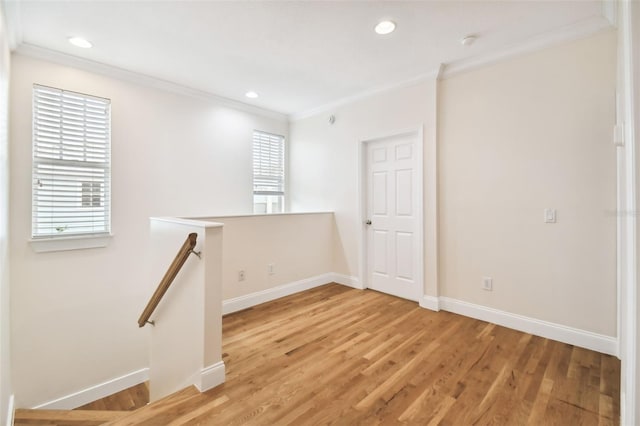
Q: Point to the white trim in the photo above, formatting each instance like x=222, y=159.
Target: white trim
x=362, y=197
x=211, y=376
x=627, y=317
x=13, y=22
x=581, y=29
x=561, y=333
x=362, y=213
x=363, y=95
x=610, y=11
x=430, y=173
x=233, y=216
x=45, y=245
x=573, y=336
x=42, y=53
x=575, y=31
x=198, y=223
x=11, y=410
x=247, y=301
x=347, y=280
x=430, y=302
x=93, y=393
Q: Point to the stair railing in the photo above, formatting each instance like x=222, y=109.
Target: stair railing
x=169, y=276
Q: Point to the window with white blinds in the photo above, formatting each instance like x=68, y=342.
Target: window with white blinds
x=71, y=164
x=268, y=172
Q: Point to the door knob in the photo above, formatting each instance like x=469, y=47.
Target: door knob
x=368, y=222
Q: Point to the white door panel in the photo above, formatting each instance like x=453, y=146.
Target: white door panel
x=403, y=151
x=380, y=255
x=393, y=198
x=404, y=192
x=379, y=193
x=404, y=255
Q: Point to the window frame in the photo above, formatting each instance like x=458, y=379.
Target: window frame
x=95, y=162
x=281, y=191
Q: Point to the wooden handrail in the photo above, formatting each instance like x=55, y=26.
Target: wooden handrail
x=169, y=276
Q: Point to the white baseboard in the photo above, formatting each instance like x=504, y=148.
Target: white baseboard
x=347, y=280
x=247, y=301
x=549, y=330
x=253, y=299
x=211, y=376
x=96, y=392
x=11, y=410
x=430, y=302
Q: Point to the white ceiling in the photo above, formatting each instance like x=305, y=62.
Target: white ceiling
x=297, y=55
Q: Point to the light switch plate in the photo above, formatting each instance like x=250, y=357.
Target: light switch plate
x=549, y=215
x=618, y=135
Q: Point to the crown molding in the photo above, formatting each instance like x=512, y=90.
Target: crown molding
x=581, y=29
x=13, y=22
x=572, y=32
x=49, y=55
x=432, y=75
x=575, y=31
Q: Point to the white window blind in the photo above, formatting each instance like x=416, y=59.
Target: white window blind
x=268, y=164
x=71, y=163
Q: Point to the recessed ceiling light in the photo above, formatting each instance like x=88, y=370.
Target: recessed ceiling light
x=251, y=95
x=385, y=27
x=80, y=42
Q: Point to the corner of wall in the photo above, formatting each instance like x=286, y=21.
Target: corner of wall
x=10, y=410
x=6, y=389
x=339, y=260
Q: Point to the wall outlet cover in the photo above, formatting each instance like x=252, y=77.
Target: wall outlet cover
x=487, y=283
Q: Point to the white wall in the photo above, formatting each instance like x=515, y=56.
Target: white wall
x=517, y=137
x=323, y=165
x=173, y=155
x=186, y=340
x=514, y=138
x=72, y=311
x=5, y=352
x=298, y=245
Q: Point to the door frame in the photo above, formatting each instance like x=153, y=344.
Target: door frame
x=362, y=208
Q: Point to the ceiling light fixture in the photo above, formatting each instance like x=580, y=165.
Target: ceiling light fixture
x=385, y=27
x=468, y=40
x=80, y=42
x=251, y=95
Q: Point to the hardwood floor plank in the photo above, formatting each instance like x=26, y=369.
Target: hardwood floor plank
x=66, y=417
x=334, y=355
x=129, y=399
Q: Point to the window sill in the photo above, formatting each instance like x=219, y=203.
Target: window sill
x=44, y=245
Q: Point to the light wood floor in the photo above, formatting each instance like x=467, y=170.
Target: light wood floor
x=128, y=400
x=334, y=355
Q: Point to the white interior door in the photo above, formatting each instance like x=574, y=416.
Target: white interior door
x=394, y=215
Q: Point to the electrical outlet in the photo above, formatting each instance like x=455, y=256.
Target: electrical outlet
x=241, y=275
x=271, y=268
x=487, y=283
